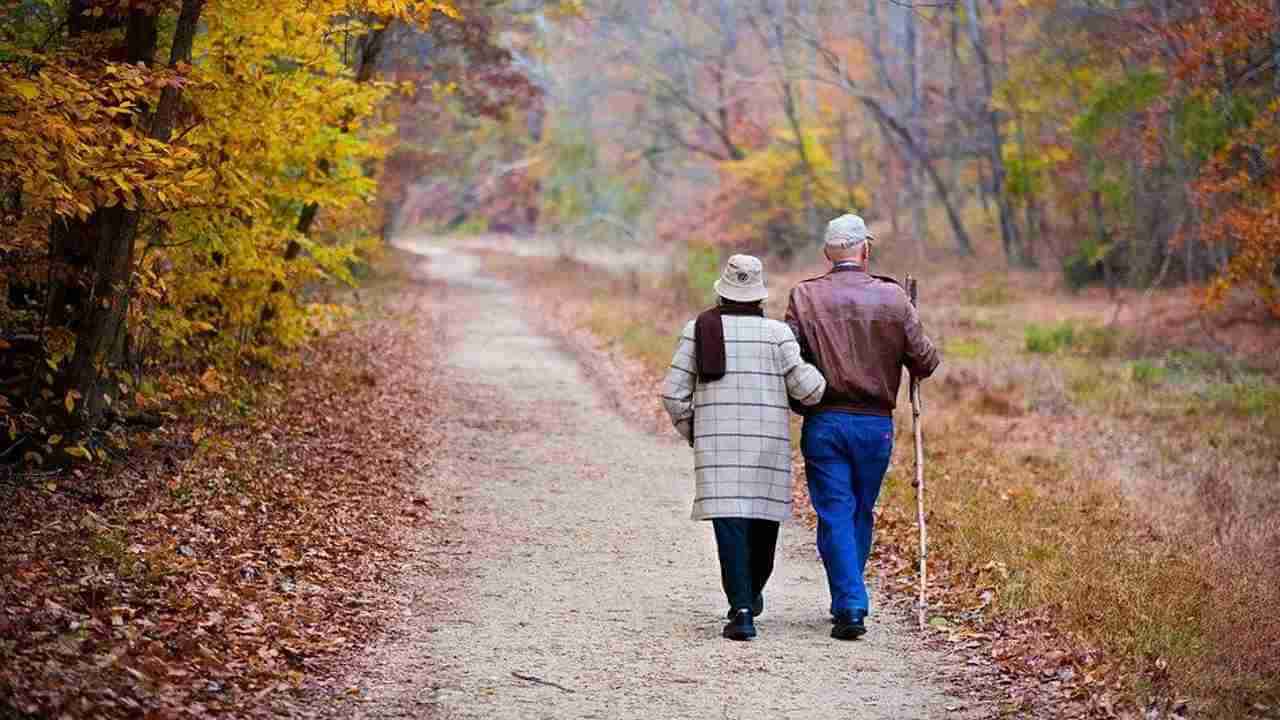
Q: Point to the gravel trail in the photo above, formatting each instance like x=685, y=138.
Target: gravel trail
x=579, y=588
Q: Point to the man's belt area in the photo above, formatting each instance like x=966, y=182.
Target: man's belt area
x=837, y=405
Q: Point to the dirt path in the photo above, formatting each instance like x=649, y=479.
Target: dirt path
x=579, y=588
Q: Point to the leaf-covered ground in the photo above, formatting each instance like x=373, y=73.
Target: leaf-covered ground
x=238, y=551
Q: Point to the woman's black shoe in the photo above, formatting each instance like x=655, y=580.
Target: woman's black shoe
x=757, y=608
x=740, y=627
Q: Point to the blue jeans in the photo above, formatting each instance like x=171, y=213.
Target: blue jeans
x=845, y=458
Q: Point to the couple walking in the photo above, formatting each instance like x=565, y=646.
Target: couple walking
x=838, y=361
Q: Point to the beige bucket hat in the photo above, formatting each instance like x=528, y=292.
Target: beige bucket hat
x=742, y=280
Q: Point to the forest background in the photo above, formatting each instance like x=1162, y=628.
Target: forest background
x=185, y=187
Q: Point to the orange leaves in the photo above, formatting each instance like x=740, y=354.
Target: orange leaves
x=1238, y=189
x=218, y=578
x=67, y=134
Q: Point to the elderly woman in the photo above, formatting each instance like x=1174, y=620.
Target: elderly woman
x=727, y=394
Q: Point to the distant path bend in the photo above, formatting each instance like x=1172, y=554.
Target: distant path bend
x=581, y=589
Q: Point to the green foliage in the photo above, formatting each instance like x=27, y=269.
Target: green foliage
x=1204, y=126
x=1146, y=372
x=1113, y=103
x=577, y=196
x=964, y=349
x=1251, y=395
x=1083, y=267
x=702, y=269
x=1193, y=362
x=473, y=225
x=1090, y=340
x=1050, y=339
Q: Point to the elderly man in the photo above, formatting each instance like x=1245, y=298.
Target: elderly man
x=860, y=330
x=727, y=394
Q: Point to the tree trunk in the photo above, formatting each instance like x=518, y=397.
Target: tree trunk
x=1008, y=227
x=102, y=247
x=1031, y=207
x=953, y=85
x=887, y=121
x=914, y=189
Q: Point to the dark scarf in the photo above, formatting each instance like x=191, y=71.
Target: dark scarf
x=708, y=337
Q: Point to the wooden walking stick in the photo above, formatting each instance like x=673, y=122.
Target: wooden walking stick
x=917, y=406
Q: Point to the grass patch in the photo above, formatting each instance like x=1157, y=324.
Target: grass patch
x=991, y=292
x=1193, y=362
x=964, y=349
x=1046, y=538
x=633, y=330
x=1252, y=396
x=1093, y=340
x=1049, y=339
x=1148, y=373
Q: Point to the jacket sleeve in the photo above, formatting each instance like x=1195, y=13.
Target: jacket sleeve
x=677, y=389
x=793, y=322
x=804, y=383
x=921, y=357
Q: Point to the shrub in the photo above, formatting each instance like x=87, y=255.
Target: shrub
x=1049, y=339
x=1084, y=267
x=1193, y=362
x=964, y=349
x=1145, y=372
x=1085, y=340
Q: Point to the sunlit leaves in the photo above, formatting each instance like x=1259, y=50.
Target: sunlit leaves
x=273, y=116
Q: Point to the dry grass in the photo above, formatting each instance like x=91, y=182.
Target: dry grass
x=1134, y=497
x=1132, y=500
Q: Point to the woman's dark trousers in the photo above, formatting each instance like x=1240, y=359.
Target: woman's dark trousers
x=746, y=547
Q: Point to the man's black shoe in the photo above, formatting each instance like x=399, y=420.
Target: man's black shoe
x=740, y=627
x=848, y=627
x=757, y=608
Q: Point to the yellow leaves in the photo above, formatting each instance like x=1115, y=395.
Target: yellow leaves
x=272, y=119
x=26, y=89
x=69, y=402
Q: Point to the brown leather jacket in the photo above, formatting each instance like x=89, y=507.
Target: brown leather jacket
x=860, y=330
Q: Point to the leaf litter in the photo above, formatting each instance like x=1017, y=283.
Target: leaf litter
x=237, y=552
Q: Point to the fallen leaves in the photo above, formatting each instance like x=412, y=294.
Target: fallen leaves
x=234, y=555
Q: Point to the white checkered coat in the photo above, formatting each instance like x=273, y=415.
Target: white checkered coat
x=740, y=424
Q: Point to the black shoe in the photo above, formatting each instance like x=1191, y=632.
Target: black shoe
x=835, y=616
x=740, y=627
x=848, y=627
x=757, y=608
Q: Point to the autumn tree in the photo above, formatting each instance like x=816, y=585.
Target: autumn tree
x=156, y=160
